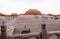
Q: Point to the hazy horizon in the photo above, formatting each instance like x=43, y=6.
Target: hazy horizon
x=21, y=6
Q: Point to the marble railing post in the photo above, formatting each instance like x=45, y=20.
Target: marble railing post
x=3, y=31
x=44, y=31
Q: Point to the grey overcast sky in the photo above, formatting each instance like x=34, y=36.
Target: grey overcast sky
x=21, y=6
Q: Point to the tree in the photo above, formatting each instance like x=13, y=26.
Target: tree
x=1, y=14
x=14, y=14
x=49, y=14
x=33, y=12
